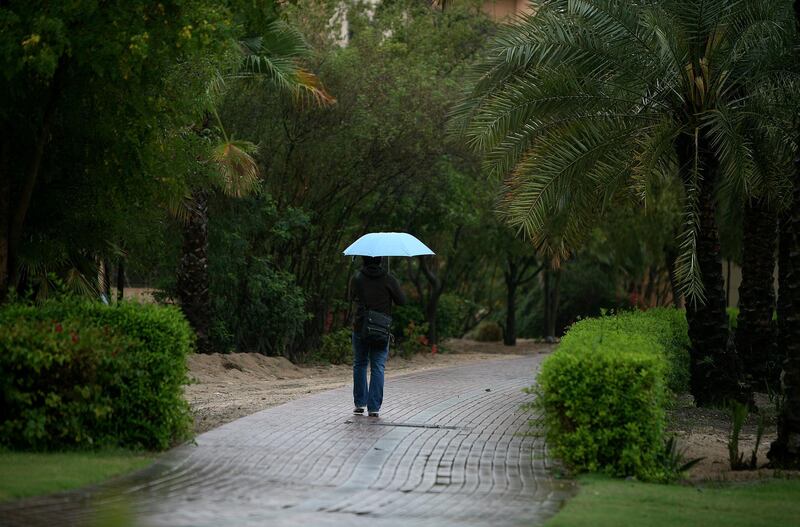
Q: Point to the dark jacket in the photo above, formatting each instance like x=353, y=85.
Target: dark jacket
x=373, y=288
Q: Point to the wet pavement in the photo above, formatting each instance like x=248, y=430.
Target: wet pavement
x=451, y=447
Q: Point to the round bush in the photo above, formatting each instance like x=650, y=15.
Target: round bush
x=489, y=331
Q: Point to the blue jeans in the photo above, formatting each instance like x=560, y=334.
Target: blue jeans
x=375, y=355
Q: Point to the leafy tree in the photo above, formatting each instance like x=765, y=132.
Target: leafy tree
x=378, y=159
x=583, y=104
x=82, y=91
x=227, y=164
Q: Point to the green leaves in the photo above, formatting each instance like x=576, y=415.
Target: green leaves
x=78, y=374
x=603, y=391
x=580, y=105
x=276, y=56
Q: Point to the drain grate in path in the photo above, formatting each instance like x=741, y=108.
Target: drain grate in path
x=407, y=425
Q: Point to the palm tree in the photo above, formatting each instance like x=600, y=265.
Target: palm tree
x=785, y=450
x=273, y=59
x=585, y=103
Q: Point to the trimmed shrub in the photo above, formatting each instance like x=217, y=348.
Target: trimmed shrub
x=81, y=373
x=666, y=326
x=604, y=403
x=604, y=390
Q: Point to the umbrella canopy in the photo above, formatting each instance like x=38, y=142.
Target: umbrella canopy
x=387, y=244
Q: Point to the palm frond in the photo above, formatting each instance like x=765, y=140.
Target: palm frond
x=277, y=56
x=727, y=131
x=687, y=265
x=237, y=169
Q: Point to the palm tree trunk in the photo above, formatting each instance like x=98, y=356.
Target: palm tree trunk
x=5, y=216
x=713, y=366
x=193, y=279
x=785, y=450
x=755, y=331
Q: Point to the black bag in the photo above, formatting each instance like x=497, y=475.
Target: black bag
x=377, y=326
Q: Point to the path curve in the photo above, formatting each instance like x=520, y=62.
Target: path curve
x=450, y=448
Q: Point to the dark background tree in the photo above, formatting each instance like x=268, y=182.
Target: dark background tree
x=83, y=95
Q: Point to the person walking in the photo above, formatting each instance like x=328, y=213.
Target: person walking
x=374, y=291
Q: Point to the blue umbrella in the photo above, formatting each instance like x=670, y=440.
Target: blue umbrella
x=387, y=244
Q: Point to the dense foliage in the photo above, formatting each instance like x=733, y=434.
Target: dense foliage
x=86, y=89
x=83, y=374
x=394, y=82
x=604, y=391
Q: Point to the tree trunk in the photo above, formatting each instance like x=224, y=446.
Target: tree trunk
x=785, y=450
x=714, y=376
x=430, y=315
x=23, y=200
x=510, y=331
x=193, y=279
x=552, y=281
x=435, y=288
x=714, y=371
x=755, y=331
x=5, y=216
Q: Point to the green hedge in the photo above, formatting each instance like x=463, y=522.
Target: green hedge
x=667, y=327
x=79, y=374
x=605, y=388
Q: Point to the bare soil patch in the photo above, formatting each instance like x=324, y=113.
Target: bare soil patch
x=704, y=433
x=226, y=387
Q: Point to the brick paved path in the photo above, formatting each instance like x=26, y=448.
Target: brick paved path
x=448, y=449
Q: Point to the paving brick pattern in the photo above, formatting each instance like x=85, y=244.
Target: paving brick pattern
x=450, y=448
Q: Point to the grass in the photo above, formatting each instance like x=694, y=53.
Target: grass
x=25, y=474
x=606, y=502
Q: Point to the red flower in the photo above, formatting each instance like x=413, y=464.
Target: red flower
x=74, y=337
x=59, y=329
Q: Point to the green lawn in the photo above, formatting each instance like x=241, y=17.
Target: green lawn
x=30, y=474
x=605, y=502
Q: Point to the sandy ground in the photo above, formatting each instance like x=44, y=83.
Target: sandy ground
x=226, y=387
x=704, y=432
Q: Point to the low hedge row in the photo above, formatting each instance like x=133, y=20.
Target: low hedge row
x=79, y=374
x=604, y=391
